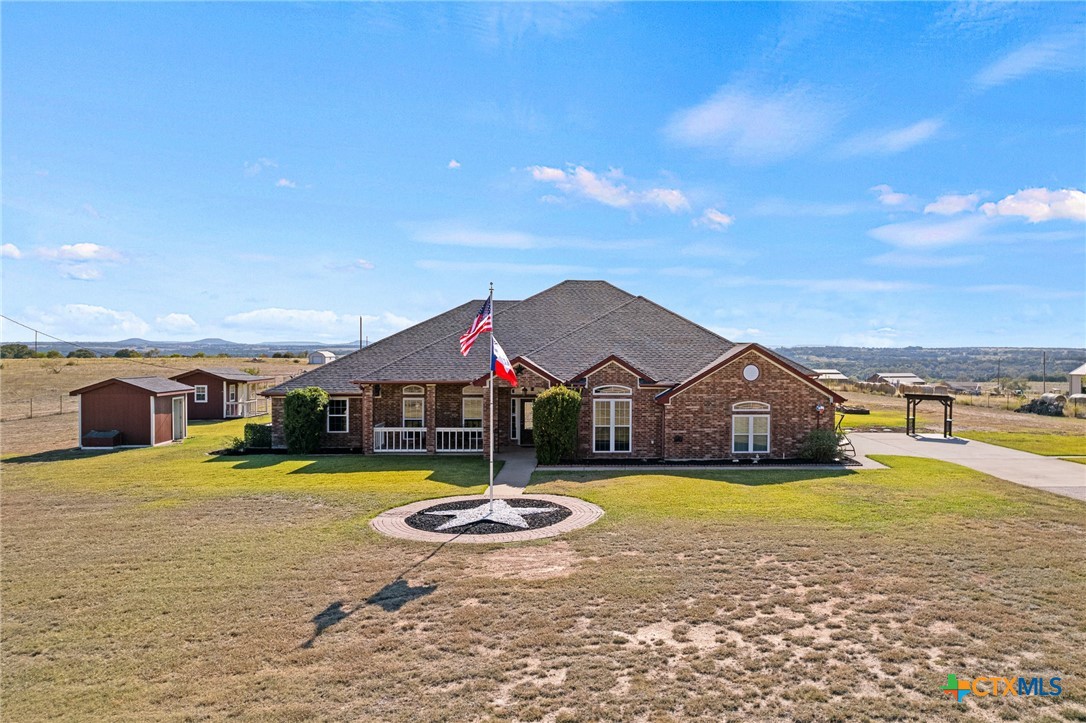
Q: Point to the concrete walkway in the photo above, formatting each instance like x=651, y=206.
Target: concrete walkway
x=1030, y=470
x=515, y=473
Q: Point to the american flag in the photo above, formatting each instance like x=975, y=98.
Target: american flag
x=483, y=322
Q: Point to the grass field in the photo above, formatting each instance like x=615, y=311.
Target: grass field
x=1050, y=445
x=168, y=584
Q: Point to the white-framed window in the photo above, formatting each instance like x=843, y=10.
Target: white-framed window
x=233, y=393
x=751, y=372
x=611, y=423
x=413, y=389
x=337, y=416
x=414, y=412
x=612, y=389
x=750, y=407
x=201, y=394
x=750, y=433
x=514, y=420
x=472, y=411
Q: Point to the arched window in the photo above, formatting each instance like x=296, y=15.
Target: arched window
x=750, y=407
x=413, y=389
x=612, y=390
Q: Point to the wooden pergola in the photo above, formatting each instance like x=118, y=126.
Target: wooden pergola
x=912, y=401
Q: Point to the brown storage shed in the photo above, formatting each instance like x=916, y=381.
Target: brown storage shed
x=225, y=393
x=132, y=412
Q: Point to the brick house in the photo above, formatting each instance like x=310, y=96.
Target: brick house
x=654, y=385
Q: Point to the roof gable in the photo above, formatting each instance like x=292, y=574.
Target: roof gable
x=229, y=374
x=156, y=386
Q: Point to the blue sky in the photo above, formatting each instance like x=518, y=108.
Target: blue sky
x=858, y=174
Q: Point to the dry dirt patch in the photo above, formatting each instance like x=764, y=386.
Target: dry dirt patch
x=538, y=562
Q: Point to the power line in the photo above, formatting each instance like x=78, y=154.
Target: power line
x=92, y=351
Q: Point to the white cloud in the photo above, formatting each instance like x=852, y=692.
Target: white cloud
x=1040, y=204
x=606, y=189
x=80, y=272
x=454, y=233
x=786, y=207
x=840, y=286
x=10, y=251
x=175, y=322
x=888, y=142
x=256, y=167
x=926, y=234
x=1063, y=52
x=86, y=321
x=274, y=318
x=285, y=183
x=80, y=252
x=734, y=333
x=950, y=204
x=902, y=259
x=753, y=128
x=363, y=264
x=889, y=197
x=499, y=267
x=396, y=322
x=714, y=219
x=453, y=164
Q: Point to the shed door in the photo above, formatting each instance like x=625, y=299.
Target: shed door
x=178, y=418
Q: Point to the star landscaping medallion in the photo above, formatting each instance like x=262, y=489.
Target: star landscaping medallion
x=502, y=512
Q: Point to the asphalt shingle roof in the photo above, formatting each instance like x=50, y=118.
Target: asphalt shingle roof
x=565, y=329
x=155, y=385
x=229, y=374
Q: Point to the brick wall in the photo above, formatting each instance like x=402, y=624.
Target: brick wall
x=702, y=413
x=351, y=440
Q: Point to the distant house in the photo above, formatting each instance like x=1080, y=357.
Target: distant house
x=963, y=387
x=221, y=393
x=321, y=357
x=132, y=412
x=896, y=378
x=1075, y=377
x=654, y=385
x=830, y=375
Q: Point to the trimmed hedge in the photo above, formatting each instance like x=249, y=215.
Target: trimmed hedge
x=820, y=445
x=258, y=436
x=303, y=419
x=555, y=416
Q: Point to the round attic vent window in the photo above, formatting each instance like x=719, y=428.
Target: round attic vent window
x=750, y=372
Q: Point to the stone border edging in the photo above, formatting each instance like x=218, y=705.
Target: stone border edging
x=394, y=522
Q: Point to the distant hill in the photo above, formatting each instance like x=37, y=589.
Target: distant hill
x=210, y=347
x=975, y=364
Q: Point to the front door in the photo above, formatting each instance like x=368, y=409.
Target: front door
x=178, y=418
x=526, y=439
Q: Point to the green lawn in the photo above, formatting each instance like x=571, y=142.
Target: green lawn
x=167, y=584
x=1050, y=445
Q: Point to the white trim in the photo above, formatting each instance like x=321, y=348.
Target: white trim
x=751, y=434
x=751, y=406
x=196, y=394
x=751, y=372
x=224, y=399
x=612, y=403
x=514, y=419
x=624, y=390
x=153, y=421
x=346, y=416
x=421, y=390
x=403, y=412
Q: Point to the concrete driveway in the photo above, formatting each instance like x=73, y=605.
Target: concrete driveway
x=1031, y=470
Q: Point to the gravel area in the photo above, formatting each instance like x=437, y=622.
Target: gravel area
x=429, y=522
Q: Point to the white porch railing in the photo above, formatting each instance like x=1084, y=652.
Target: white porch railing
x=250, y=408
x=459, y=439
x=399, y=439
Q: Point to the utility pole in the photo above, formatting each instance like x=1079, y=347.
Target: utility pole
x=360, y=337
x=999, y=377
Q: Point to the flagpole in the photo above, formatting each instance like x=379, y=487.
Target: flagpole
x=490, y=361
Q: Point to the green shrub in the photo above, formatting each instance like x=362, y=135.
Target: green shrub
x=303, y=419
x=556, y=413
x=258, y=436
x=820, y=445
x=81, y=354
x=237, y=444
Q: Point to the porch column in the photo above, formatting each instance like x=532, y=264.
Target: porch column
x=486, y=423
x=367, y=419
x=431, y=418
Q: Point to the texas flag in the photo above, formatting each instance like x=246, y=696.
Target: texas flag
x=500, y=365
